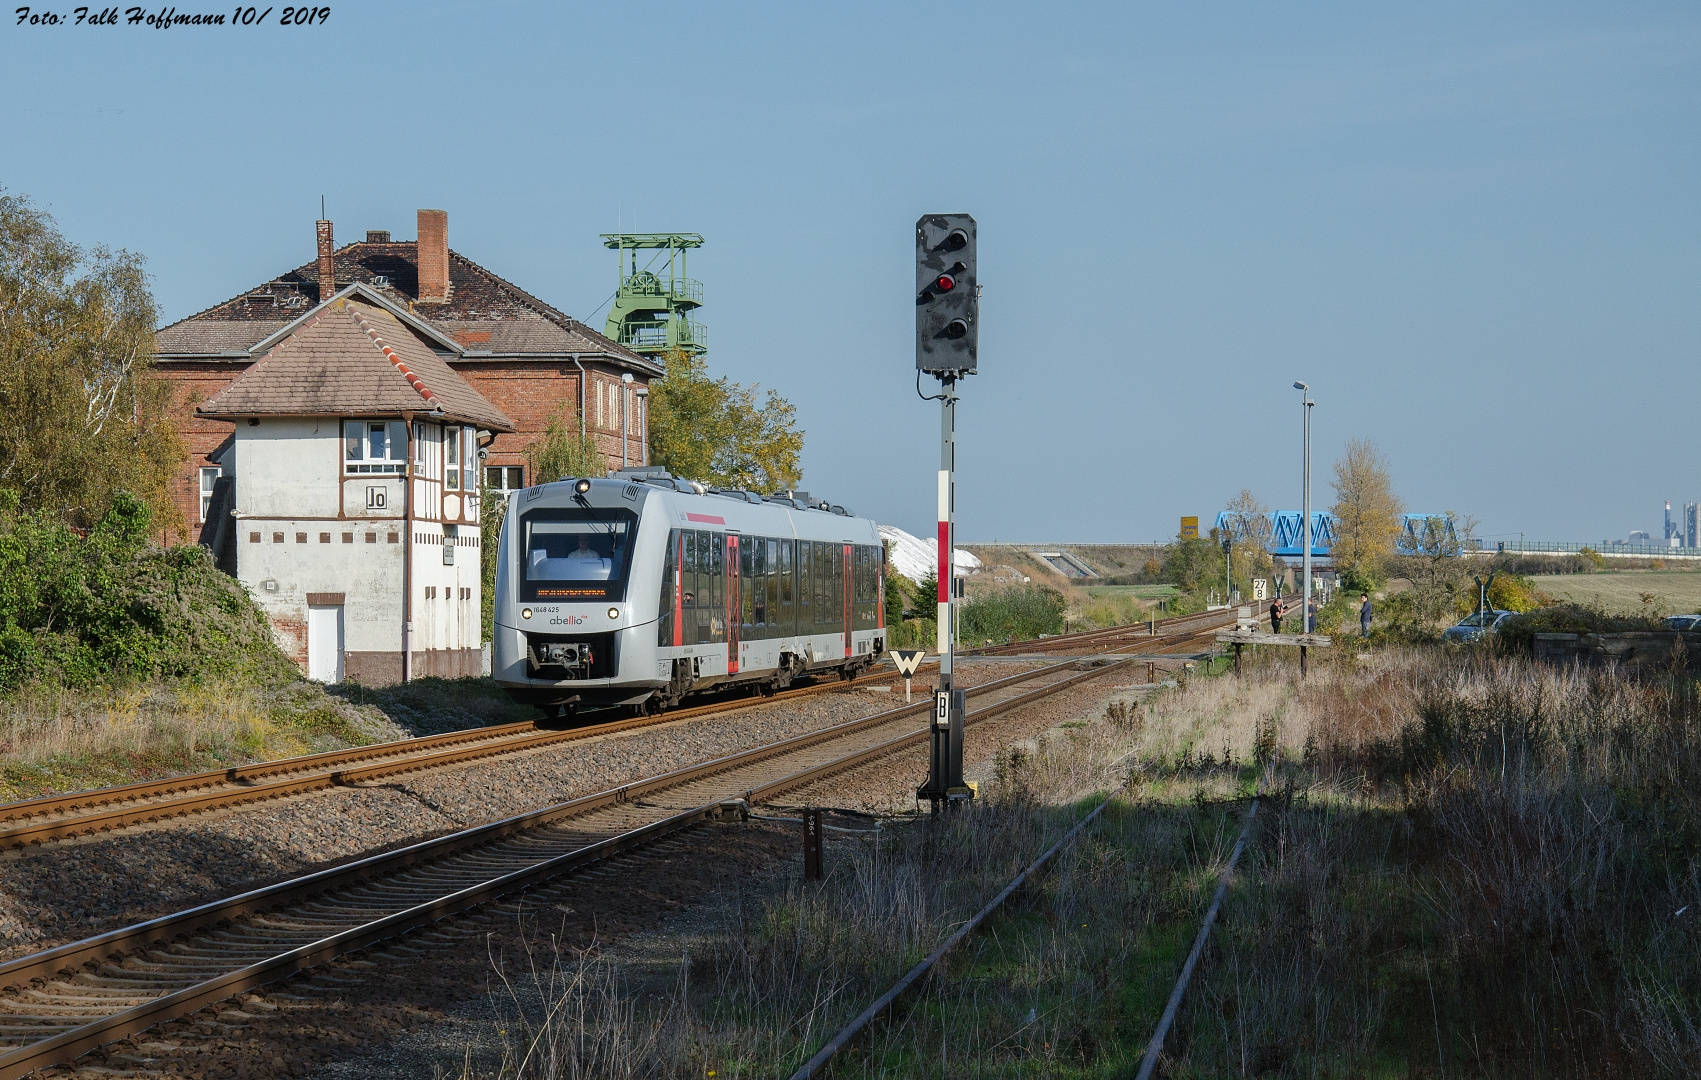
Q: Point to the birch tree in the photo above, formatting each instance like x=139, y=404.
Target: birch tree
x=82, y=414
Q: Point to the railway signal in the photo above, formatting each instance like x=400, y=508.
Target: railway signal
x=947, y=316
x=947, y=342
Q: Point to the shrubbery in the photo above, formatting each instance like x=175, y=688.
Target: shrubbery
x=1518, y=634
x=1022, y=611
x=104, y=608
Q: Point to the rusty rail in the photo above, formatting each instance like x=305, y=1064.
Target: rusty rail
x=374, y=873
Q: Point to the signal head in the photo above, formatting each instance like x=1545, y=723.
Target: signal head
x=955, y=240
x=945, y=283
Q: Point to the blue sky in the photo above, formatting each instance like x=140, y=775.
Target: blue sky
x=1472, y=228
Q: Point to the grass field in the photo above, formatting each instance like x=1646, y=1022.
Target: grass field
x=1672, y=592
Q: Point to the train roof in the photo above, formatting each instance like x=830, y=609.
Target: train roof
x=735, y=510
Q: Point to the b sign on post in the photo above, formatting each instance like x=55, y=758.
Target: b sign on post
x=942, y=710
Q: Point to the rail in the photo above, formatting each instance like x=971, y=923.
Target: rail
x=44, y=820
x=389, y=894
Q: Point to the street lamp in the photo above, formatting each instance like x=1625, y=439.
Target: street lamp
x=1305, y=514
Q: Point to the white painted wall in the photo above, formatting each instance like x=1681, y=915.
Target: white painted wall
x=288, y=472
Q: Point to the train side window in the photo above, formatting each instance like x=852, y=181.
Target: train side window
x=786, y=548
x=805, y=579
x=758, y=579
x=688, y=571
x=771, y=582
x=823, y=584
x=717, y=586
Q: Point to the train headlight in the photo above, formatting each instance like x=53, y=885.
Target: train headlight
x=525, y=613
x=614, y=613
x=582, y=486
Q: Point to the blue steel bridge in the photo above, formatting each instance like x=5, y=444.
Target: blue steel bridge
x=1418, y=532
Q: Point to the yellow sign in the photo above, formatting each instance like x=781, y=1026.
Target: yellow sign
x=1190, y=528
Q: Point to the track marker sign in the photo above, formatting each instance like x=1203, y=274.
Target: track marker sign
x=1260, y=588
x=908, y=660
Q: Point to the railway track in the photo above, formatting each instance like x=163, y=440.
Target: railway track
x=39, y=821
x=1088, y=640
x=62, y=1002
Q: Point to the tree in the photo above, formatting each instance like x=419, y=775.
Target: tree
x=561, y=452
x=1367, y=514
x=716, y=431
x=82, y=414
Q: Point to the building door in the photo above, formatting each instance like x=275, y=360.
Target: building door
x=325, y=643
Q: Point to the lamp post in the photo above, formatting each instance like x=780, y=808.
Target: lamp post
x=1305, y=516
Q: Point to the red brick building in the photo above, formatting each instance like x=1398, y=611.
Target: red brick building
x=527, y=358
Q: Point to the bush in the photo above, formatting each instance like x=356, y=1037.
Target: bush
x=1518, y=634
x=104, y=608
x=1023, y=611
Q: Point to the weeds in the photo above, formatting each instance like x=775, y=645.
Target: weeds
x=1469, y=865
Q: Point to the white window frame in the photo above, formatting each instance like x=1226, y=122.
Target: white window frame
x=212, y=472
x=361, y=462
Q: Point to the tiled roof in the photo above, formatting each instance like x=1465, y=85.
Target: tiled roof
x=484, y=312
x=352, y=358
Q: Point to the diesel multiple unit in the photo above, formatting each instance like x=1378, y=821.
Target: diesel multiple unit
x=642, y=588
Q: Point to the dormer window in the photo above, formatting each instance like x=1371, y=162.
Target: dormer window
x=375, y=446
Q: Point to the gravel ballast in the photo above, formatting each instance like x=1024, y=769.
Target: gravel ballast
x=73, y=889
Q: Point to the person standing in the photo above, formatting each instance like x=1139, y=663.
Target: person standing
x=1364, y=614
x=1276, y=615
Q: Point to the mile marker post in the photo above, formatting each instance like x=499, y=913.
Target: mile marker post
x=947, y=334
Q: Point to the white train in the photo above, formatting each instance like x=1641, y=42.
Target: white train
x=642, y=588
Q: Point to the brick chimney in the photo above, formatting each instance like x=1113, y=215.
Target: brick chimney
x=433, y=256
x=327, y=267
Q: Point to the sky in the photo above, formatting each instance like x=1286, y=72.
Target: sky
x=1472, y=228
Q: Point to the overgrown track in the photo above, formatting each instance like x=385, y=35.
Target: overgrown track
x=65, y=1001
x=39, y=821
x=1091, y=640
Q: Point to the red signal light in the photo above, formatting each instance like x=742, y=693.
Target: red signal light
x=945, y=283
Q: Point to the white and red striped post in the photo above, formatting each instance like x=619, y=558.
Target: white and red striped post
x=945, y=758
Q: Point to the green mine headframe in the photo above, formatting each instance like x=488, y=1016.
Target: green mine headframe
x=652, y=311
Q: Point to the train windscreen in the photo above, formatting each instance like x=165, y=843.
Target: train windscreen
x=576, y=554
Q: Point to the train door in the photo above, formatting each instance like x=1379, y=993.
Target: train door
x=734, y=605
x=850, y=595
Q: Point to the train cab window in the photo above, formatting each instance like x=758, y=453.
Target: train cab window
x=576, y=554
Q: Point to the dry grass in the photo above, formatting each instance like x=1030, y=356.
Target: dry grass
x=1468, y=866
x=54, y=739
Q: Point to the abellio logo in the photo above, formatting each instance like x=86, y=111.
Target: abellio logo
x=568, y=620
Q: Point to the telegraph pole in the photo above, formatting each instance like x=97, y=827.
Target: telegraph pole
x=947, y=336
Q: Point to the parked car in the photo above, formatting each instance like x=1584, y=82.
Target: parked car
x=1683, y=622
x=1478, y=623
